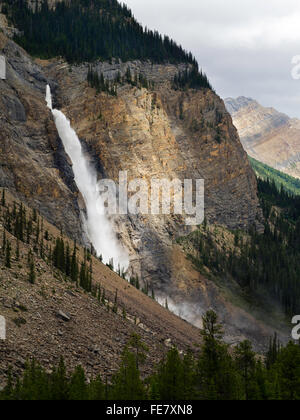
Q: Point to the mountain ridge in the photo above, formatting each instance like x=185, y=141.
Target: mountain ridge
x=62, y=319
x=166, y=131
x=267, y=135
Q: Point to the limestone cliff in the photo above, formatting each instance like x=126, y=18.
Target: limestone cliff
x=267, y=135
x=32, y=160
x=164, y=133
x=160, y=134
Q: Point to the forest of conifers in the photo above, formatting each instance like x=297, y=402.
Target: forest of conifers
x=261, y=262
x=281, y=179
x=215, y=373
x=86, y=30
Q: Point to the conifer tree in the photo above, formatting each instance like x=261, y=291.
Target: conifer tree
x=127, y=384
x=115, y=307
x=138, y=348
x=167, y=383
x=32, y=276
x=217, y=379
x=246, y=363
x=18, y=250
x=78, y=390
x=8, y=255
x=96, y=390
x=59, y=382
x=3, y=201
x=74, y=266
x=3, y=242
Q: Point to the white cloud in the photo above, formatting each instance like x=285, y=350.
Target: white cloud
x=245, y=46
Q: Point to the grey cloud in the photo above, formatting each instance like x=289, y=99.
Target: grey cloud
x=245, y=46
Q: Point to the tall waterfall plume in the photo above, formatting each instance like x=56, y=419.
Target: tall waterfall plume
x=97, y=225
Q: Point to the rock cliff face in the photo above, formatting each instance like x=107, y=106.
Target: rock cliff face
x=33, y=164
x=267, y=135
x=160, y=133
x=163, y=133
x=53, y=317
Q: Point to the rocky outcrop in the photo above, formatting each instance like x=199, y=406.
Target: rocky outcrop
x=155, y=133
x=54, y=318
x=33, y=164
x=267, y=135
x=160, y=133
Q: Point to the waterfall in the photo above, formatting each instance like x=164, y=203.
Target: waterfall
x=96, y=223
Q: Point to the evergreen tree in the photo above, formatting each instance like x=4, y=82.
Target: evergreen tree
x=96, y=390
x=127, y=384
x=138, y=348
x=59, y=383
x=246, y=363
x=217, y=379
x=74, y=267
x=3, y=201
x=32, y=276
x=112, y=33
x=288, y=372
x=167, y=383
x=78, y=389
x=18, y=250
x=8, y=255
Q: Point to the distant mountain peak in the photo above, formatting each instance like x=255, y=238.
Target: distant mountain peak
x=267, y=134
x=234, y=105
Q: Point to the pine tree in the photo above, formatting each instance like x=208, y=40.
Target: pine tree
x=96, y=390
x=115, y=307
x=68, y=262
x=3, y=242
x=59, y=383
x=167, y=383
x=74, y=266
x=103, y=299
x=18, y=250
x=8, y=255
x=127, y=384
x=217, y=378
x=288, y=370
x=138, y=348
x=99, y=294
x=246, y=363
x=3, y=201
x=8, y=391
x=124, y=314
x=78, y=390
x=32, y=276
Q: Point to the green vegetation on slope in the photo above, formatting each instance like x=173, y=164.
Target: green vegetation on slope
x=89, y=30
x=281, y=179
x=29, y=229
x=215, y=373
x=85, y=30
x=191, y=80
x=267, y=263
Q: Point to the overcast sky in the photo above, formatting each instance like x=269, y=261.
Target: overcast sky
x=245, y=46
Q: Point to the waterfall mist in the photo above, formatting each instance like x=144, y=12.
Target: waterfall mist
x=96, y=223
